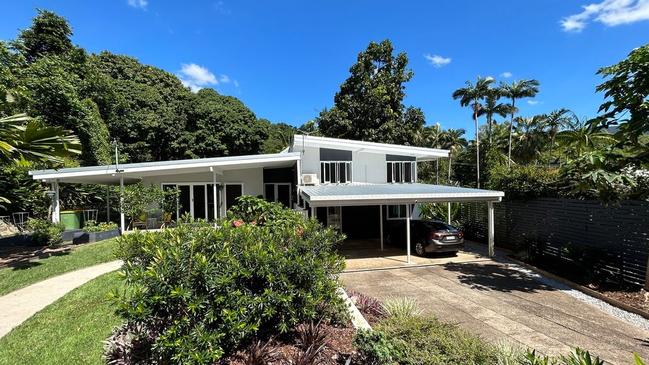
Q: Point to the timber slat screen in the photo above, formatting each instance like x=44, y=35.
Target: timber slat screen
x=615, y=238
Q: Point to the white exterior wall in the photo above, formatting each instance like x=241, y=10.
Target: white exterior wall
x=366, y=167
x=252, y=179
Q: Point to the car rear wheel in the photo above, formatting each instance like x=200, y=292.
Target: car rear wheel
x=419, y=249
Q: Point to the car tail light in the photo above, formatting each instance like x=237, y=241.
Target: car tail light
x=460, y=234
x=436, y=235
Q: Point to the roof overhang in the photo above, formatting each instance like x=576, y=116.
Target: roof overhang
x=392, y=194
x=133, y=172
x=421, y=153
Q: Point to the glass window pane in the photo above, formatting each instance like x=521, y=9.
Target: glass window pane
x=322, y=172
x=342, y=172
x=232, y=192
x=414, y=171
x=332, y=169
x=407, y=172
x=269, y=190
x=389, y=172
x=327, y=173
x=397, y=172
x=199, y=202
x=284, y=194
x=349, y=171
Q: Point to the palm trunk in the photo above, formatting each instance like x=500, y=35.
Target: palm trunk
x=511, y=131
x=489, y=118
x=477, y=147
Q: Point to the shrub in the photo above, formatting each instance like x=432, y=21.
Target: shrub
x=401, y=307
x=93, y=226
x=213, y=290
x=45, y=232
x=524, y=181
x=367, y=305
x=422, y=340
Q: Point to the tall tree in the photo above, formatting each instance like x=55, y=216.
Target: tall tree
x=471, y=96
x=492, y=107
x=514, y=91
x=453, y=141
x=49, y=34
x=554, y=122
x=432, y=138
x=369, y=105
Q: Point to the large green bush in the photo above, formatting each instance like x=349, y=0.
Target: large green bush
x=523, y=181
x=44, y=232
x=196, y=293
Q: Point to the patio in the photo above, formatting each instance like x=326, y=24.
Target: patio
x=366, y=255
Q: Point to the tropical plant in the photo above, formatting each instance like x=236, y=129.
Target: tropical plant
x=453, y=141
x=530, y=138
x=401, y=307
x=491, y=107
x=583, y=137
x=514, y=91
x=44, y=232
x=470, y=96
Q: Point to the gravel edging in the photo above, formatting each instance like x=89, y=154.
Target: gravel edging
x=629, y=317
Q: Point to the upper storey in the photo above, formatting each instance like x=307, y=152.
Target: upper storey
x=340, y=161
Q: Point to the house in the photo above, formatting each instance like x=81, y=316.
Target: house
x=352, y=185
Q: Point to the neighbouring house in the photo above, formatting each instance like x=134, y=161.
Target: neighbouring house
x=354, y=186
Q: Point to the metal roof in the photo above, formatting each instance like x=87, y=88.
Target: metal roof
x=377, y=194
x=421, y=153
x=108, y=174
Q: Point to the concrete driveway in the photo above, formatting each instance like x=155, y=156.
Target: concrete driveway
x=501, y=303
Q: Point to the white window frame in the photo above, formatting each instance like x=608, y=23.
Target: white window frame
x=275, y=185
x=392, y=218
x=402, y=172
x=326, y=166
x=191, y=196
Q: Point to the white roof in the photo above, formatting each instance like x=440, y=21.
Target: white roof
x=391, y=194
x=132, y=172
x=421, y=153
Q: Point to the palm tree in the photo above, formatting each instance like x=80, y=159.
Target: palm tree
x=432, y=136
x=24, y=138
x=582, y=137
x=530, y=137
x=555, y=121
x=453, y=141
x=492, y=107
x=470, y=96
x=517, y=90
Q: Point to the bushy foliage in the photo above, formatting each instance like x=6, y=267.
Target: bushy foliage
x=523, y=181
x=401, y=307
x=44, y=232
x=422, y=340
x=92, y=226
x=211, y=290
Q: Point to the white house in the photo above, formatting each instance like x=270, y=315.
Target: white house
x=352, y=185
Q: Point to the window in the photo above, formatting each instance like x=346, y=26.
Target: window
x=334, y=172
x=401, y=172
x=396, y=212
x=278, y=192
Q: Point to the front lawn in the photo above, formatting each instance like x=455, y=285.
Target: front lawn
x=70, y=331
x=12, y=278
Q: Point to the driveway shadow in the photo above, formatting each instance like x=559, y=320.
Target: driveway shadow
x=486, y=276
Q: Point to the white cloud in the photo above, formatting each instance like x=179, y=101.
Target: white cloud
x=437, y=61
x=140, y=4
x=196, y=77
x=506, y=74
x=609, y=13
x=224, y=79
x=533, y=102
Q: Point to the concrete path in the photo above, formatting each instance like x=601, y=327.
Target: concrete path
x=19, y=305
x=501, y=303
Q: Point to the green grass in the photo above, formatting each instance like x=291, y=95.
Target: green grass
x=70, y=331
x=13, y=278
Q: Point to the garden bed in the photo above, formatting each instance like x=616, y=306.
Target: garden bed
x=89, y=237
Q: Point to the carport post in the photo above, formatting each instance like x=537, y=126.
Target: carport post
x=122, y=219
x=56, y=203
x=408, y=232
x=214, y=195
x=449, y=213
x=490, y=227
x=381, y=224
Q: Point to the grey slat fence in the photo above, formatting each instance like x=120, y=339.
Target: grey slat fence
x=613, y=239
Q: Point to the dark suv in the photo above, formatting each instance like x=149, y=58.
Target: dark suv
x=427, y=236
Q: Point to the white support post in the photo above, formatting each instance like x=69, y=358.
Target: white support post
x=122, y=218
x=313, y=213
x=381, y=224
x=56, y=203
x=449, y=213
x=490, y=227
x=107, y=203
x=214, y=196
x=408, y=232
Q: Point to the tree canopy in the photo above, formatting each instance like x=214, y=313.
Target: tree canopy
x=369, y=105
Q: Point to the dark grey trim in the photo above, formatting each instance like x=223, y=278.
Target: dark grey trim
x=328, y=154
x=399, y=158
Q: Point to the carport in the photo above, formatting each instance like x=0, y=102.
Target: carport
x=345, y=195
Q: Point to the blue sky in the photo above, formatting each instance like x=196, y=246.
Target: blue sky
x=286, y=59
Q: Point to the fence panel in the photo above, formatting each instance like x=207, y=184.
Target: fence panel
x=614, y=238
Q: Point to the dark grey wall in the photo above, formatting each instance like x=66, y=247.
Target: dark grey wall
x=617, y=236
x=399, y=158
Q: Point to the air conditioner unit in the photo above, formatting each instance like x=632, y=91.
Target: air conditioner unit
x=310, y=179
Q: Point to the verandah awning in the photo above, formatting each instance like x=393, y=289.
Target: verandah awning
x=391, y=194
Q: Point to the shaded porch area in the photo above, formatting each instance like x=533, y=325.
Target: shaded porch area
x=366, y=254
